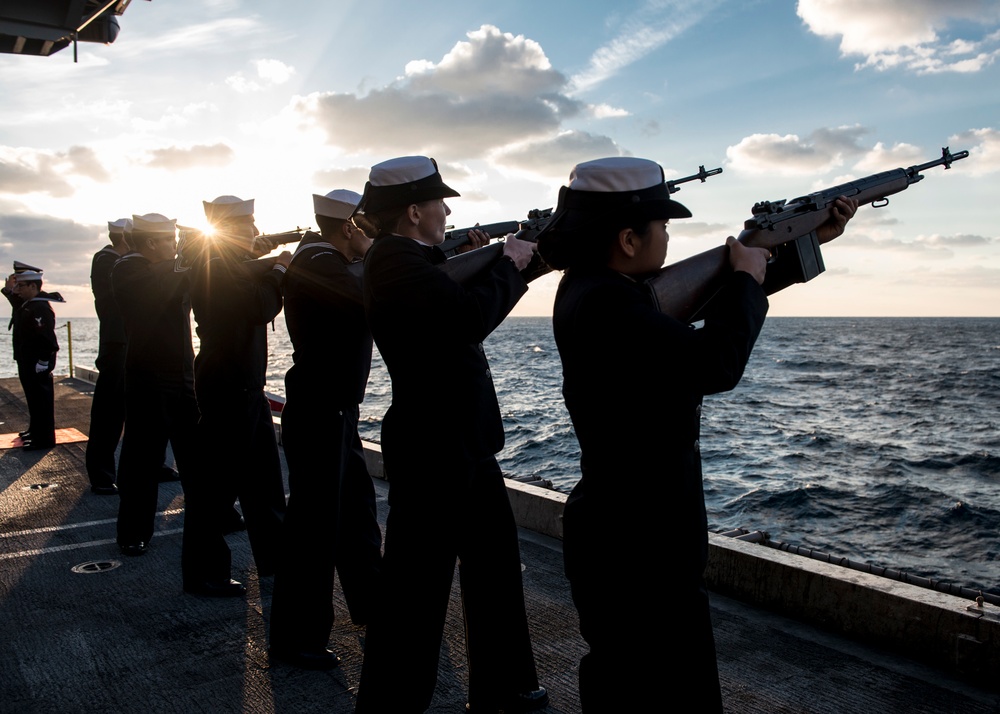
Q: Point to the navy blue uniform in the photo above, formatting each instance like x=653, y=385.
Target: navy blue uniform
x=331, y=519
x=633, y=382
x=447, y=497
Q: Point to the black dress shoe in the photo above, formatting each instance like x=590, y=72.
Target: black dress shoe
x=133, y=548
x=522, y=702
x=320, y=660
x=110, y=490
x=231, y=588
x=37, y=445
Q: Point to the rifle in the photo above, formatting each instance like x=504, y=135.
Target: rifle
x=193, y=244
x=283, y=238
x=788, y=230
x=462, y=266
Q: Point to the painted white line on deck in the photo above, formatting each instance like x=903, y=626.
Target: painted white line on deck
x=76, y=546
x=85, y=524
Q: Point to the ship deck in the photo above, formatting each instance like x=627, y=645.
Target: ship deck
x=85, y=629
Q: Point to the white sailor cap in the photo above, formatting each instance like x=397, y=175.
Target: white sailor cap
x=225, y=208
x=402, y=181
x=20, y=267
x=153, y=223
x=120, y=227
x=27, y=275
x=336, y=204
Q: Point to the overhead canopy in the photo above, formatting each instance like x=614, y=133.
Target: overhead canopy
x=42, y=27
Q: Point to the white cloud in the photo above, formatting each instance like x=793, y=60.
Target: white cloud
x=881, y=158
x=269, y=73
x=491, y=91
x=983, y=147
x=174, y=158
x=791, y=155
x=917, y=35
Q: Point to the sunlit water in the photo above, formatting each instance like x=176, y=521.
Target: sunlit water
x=875, y=439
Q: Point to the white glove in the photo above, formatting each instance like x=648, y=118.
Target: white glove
x=41, y=367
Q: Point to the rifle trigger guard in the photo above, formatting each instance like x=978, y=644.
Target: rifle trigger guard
x=880, y=203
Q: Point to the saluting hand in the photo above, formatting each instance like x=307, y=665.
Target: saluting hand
x=749, y=260
x=843, y=210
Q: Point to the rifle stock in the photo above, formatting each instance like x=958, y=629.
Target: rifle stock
x=788, y=228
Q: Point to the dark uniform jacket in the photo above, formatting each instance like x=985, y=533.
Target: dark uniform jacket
x=325, y=315
x=633, y=382
x=112, y=326
x=34, y=332
x=157, y=318
x=234, y=299
x=429, y=331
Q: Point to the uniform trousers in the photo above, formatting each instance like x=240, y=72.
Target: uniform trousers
x=331, y=522
x=612, y=557
x=158, y=411
x=107, y=415
x=39, y=393
x=443, y=507
x=240, y=453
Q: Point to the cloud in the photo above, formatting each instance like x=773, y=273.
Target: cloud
x=174, y=158
x=491, y=91
x=656, y=23
x=51, y=243
x=881, y=158
x=915, y=35
x=790, y=155
x=983, y=147
x=25, y=171
x=218, y=35
x=352, y=178
x=553, y=157
x=269, y=73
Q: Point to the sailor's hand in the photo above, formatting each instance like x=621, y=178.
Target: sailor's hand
x=261, y=246
x=283, y=259
x=749, y=260
x=520, y=251
x=10, y=281
x=41, y=367
x=477, y=239
x=843, y=210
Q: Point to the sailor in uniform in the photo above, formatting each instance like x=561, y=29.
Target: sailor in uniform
x=234, y=296
x=107, y=411
x=633, y=382
x=160, y=404
x=35, y=347
x=447, y=498
x=331, y=520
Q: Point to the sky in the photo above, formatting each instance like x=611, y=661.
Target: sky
x=276, y=101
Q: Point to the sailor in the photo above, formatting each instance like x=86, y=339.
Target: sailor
x=107, y=411
x=331, y=520
x=447, y=498
x=161, y=405
x=35, y=347
x=234, y=296
x=633, y=382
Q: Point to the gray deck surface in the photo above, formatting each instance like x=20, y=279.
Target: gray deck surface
x=127, y=639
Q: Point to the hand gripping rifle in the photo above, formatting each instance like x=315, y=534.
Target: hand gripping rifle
x=462, y=266
x=788, y=230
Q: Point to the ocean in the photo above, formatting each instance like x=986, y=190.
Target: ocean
x=871, y=439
